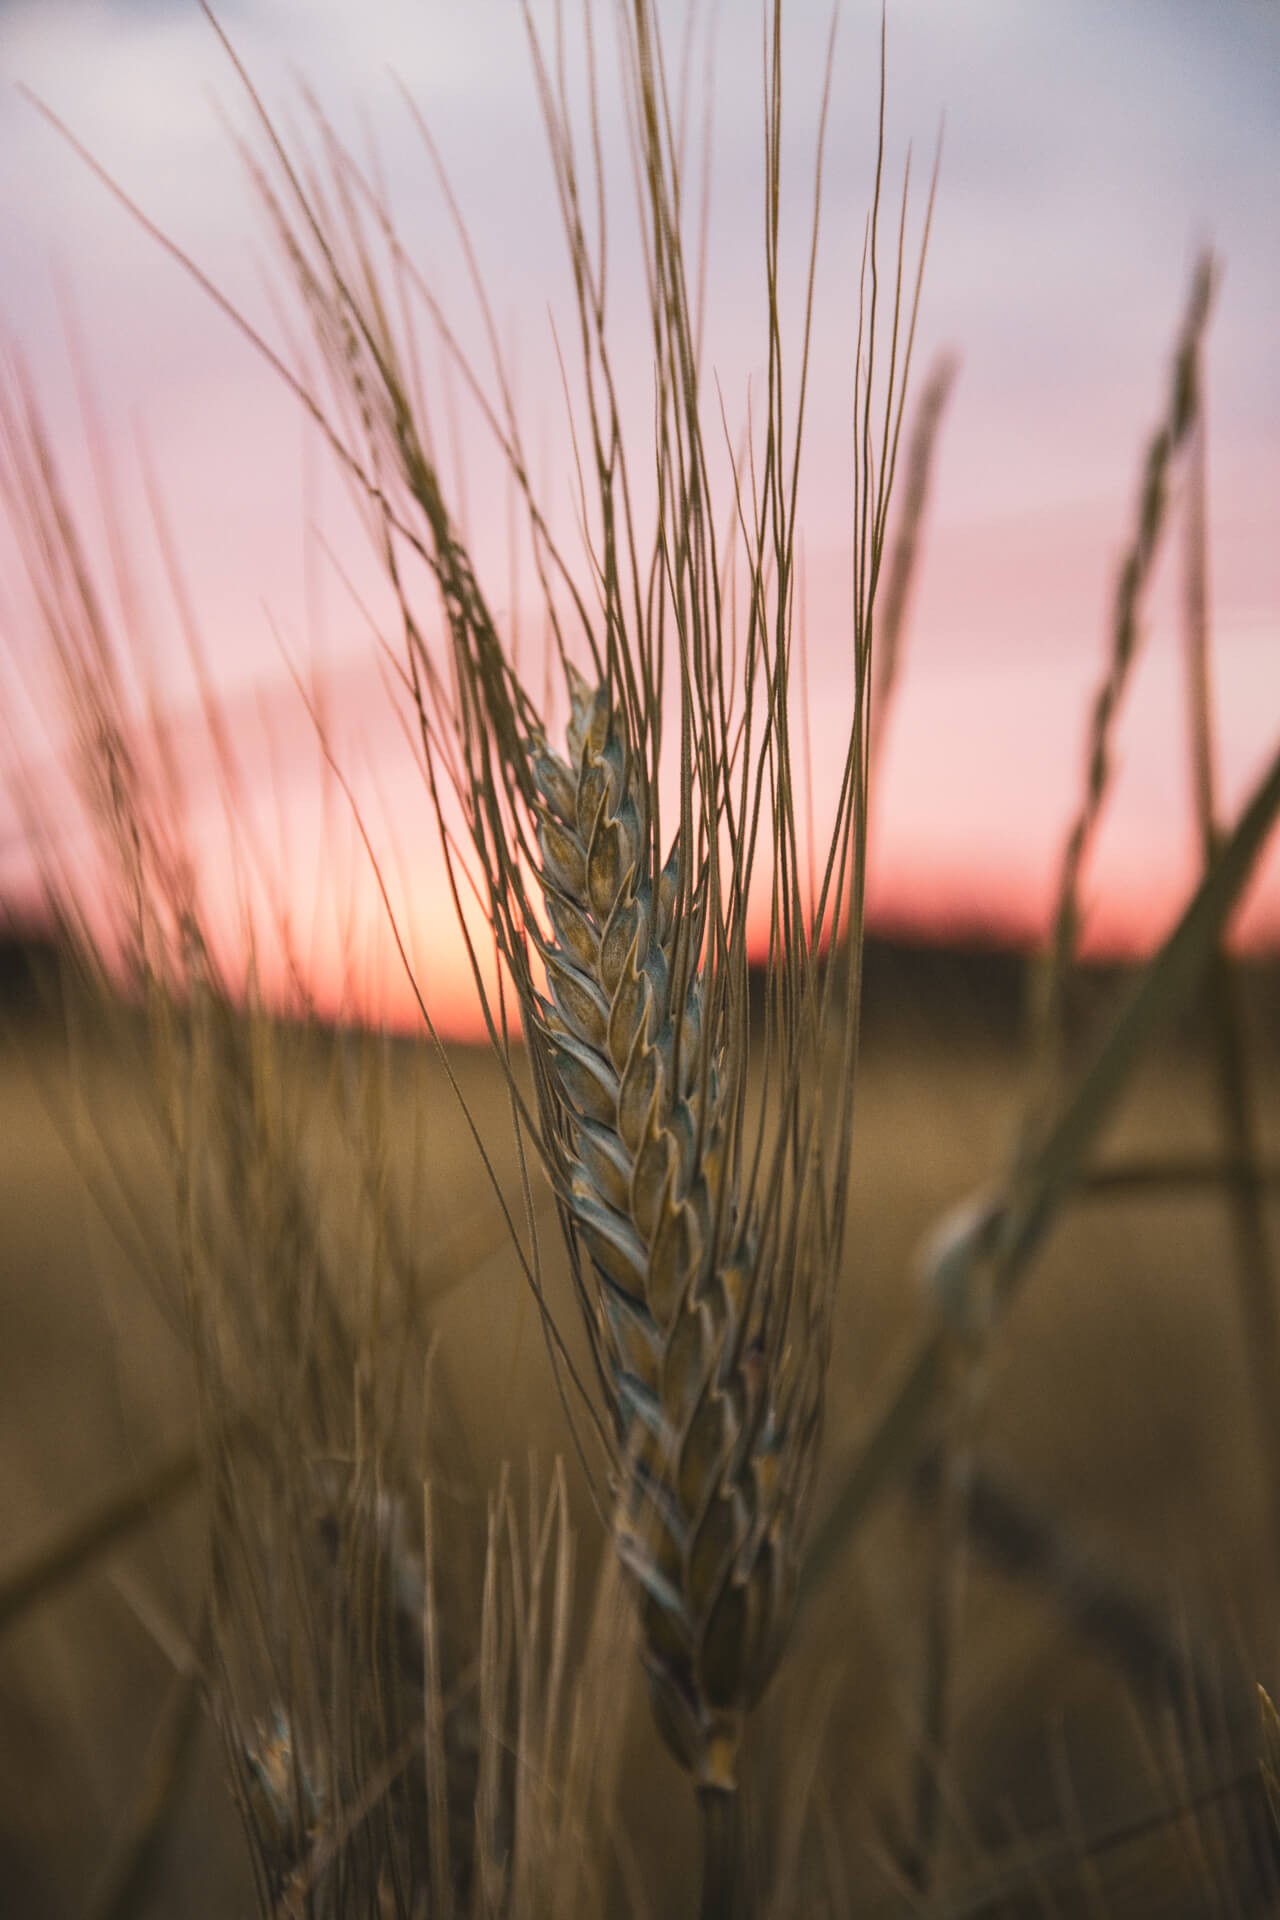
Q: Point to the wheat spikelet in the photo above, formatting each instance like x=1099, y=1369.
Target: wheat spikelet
x=710, y=1462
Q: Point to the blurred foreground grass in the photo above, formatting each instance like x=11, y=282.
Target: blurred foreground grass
x=1118, y=1404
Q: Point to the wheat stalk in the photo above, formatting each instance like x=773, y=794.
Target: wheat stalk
x=704, y=1242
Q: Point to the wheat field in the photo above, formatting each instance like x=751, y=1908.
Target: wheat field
x=792, y=1426
x=1118, y=1409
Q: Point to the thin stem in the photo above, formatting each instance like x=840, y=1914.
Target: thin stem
x=1174, y=1178
x=719, y=1811
x=943, y=1609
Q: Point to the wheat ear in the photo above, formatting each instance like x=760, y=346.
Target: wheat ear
x=710, y=1464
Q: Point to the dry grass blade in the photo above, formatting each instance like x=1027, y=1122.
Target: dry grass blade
x=944, y=1581
x=1175, y=1175
x=38, y=1575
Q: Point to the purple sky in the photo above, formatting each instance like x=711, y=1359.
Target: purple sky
x=1090, y=150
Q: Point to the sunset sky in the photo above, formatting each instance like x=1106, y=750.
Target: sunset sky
x=1089, y=152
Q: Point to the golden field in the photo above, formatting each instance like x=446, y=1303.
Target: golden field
x=1114, y=1408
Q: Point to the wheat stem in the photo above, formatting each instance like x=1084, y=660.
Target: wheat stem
x=718, y=1815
